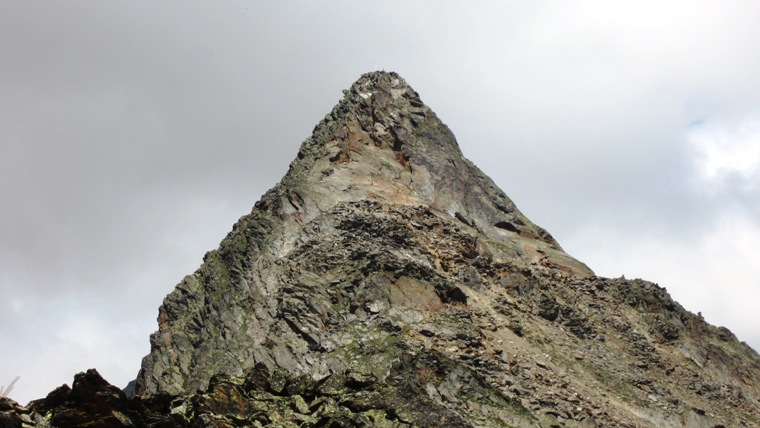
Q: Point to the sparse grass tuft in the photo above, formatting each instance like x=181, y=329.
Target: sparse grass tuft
x=4, y=391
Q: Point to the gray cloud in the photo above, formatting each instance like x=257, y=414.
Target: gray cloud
x=134, y=135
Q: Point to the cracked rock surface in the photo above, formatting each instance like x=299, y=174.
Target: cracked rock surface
x=386, y=281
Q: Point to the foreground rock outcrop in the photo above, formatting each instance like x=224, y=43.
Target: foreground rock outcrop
x=386, y=281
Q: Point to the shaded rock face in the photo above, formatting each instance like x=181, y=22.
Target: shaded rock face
x=386, y=281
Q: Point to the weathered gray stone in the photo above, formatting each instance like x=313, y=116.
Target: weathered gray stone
x=386, y=281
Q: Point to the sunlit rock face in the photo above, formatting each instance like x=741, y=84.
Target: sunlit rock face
x=384, y=260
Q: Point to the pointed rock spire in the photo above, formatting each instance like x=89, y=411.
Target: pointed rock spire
x=385, y=258
x=380, y=161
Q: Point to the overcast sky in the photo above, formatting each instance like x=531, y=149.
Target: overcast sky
x=134, y=134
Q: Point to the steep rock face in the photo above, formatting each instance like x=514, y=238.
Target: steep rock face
x=384, y=252
x=380, y=157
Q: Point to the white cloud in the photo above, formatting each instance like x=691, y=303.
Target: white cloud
x=728, y=151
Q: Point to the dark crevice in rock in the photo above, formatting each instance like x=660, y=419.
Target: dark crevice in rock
x=507, y=226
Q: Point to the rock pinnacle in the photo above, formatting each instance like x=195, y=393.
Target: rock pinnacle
x=384, y=260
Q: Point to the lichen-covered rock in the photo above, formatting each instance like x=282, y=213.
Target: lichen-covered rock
x=387, y=281
x=276, y=398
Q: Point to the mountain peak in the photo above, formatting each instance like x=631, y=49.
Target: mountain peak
x=384, y=260
x=382, y=142
x=380, y=80
x=381, y=155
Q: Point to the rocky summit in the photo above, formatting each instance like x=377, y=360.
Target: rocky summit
x=386, y=281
